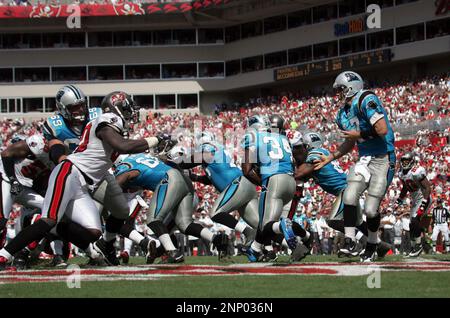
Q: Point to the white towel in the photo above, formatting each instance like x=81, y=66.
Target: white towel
x=362, y=169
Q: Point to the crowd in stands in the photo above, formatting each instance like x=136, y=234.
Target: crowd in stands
x=408, y=104
x=31, y=2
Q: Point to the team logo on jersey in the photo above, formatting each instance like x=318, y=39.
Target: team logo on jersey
x=33, y=144
x=113, y=120
x=351, y=77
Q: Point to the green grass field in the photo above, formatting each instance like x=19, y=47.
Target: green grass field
x=393, y=284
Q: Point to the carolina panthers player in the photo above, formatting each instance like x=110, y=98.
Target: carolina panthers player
x=171, y=194
x=236, y=191
x=414, y=180
x=364, y=122
x=333, y=180
x=70, y=181
x=270, y=153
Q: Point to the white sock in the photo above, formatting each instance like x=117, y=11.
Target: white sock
x=240, y=227
x=359, y=235
x=158, y=243
x=350, y=232
x=57, y=246
x=127, y=244
x=92, y=253
x=135, y=236
x=167, y=242
x=5, y=254
x=276, y=228
x=207, y=235
x=306, y=237
x=108, y=237
x=257, y=247
x=372, y=237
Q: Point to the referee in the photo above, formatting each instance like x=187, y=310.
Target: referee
x=441, y=217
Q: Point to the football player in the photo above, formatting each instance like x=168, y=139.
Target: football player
x=271, y=154
x=68, y=192
x=236, y=191
x=172, y=198
x=333, y=180
x=364, y=123
x=414, y=181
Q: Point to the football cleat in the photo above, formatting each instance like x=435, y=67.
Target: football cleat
x=21, y=259
x=220, y=241
x=58, y=261
x=416, y=251
x=252, y=255
x=369, y=253
x=300, y=253
x=286, y=227
x=152, y=252
x=270, y=256
x=349, y=248
x=107, y=250
x=125, y=257
x=175, y=256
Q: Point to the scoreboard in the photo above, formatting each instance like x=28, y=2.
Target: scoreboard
x=331, y=65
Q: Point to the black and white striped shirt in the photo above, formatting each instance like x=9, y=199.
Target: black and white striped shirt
x=440, y=215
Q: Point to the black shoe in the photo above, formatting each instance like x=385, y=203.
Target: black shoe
x=300, y=252
x=349, y=248
x=175, y=256
x=270, y=256
x=107, y=250
x=21, y=259
x=416, y=250
x=220, y=242
x=152, y=252
x=382, y=249
x=369, y=253
x=58, y=261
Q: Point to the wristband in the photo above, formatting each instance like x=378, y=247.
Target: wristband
x=152, y=142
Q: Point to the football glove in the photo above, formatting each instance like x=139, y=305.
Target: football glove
x=16, y=187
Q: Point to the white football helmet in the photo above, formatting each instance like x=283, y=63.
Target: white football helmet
x=312, y=140
x=295, y=138
x=71, y=103
x=348, y=84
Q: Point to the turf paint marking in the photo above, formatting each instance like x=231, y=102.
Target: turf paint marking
x=154, y=272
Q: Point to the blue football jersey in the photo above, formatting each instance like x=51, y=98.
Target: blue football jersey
x=221, y=170
x=151, y=170
x=362, y=118
x=56, y=127
x=273, y=152
x=331, y=178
